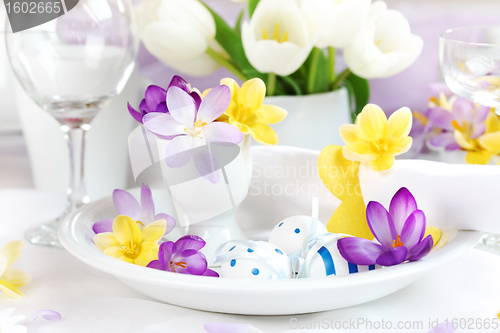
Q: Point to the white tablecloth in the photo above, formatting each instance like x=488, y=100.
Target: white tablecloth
x=90, y=301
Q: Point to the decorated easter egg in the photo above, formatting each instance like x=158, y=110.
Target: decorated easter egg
x=292, y=233
x=254, y=260
x=324, y=259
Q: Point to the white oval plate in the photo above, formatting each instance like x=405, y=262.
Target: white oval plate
x=251, y=297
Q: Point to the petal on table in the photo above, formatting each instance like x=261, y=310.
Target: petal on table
x=181, y=106
x=105, y=240
x=154, y=231
x=189, y=242
x=271, y=114
x=196, y=263
x=147, y=203
x=413, y=230
x=12, y=251
x=214, y=104
x=117, y=253
x=442, y=118
x=263, y=133
x=170, y=221
x=179, y=151
x=16, y=277
x=399, y=123
x=231, y=328
x=156, y=265
x=210, y=272
x=10, y=290
x=252, y=94
x=126, y=204
x=359, y=152
x=105, y=225
x=154, y=96
x=222, y=132
x=402, y=205
x=359, y=251
x=393, y=257
x=126, y=230
x=422, y=249
x=373, y=121
x=351, y=133
x=381, y=224
x=135, y=114
x=46, y=314
x=382, y=163
x=147, y=253
x=163, y=124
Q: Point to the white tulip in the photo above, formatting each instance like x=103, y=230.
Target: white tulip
x=385, y=46
x=335, y=21
x=178, y=32
x=276, y=38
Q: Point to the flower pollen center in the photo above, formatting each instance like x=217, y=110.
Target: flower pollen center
x=420, y=117
x=130, y=250
x=397, y=243
x=140, y=223
x=276, y=34
x=197, y=127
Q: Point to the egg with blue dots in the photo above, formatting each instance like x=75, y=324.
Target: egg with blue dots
x=328, y=262
x=255, y=268
x=292, y=233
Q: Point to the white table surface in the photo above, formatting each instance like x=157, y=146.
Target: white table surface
x=91, y=301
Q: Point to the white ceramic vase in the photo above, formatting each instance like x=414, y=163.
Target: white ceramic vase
x=313, y=120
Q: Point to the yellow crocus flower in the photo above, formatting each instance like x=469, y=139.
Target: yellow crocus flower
x=376, y=140
x=12, y=278
x=129, y=243
x=247, y=112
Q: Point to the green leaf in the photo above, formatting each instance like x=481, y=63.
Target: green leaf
x=317, y=67
x=252, y=4
x=232, y=44
x=237, y=27
x=294, y=85
x=359, y=93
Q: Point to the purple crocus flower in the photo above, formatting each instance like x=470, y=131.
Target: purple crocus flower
x=183, y=257
x=464, y=117
x=156, y=99
x=143, y=213
x=422, y=127
x=399, y=232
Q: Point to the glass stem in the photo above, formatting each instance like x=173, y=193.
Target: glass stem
x=75, y=138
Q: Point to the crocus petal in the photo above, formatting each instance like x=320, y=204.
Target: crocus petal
x=147, y=203
x=359, y=152
x=165, y=253
x=263, y=133
x=372, y=121
x=170, y=221
x=3, y=264
x=16, y=277
x=399, y=123
x=179, y=151
x=422, y=249
x=179, y=82
x=359, y=251
x=464, y=142
x=463, y=108
x=413, y=230
x=153, y=232
x=210, y=272
x=162, y=108
x=154, y=96
x=393, y=257
x=207, y=165
x=126, y=230
x=231, y=328
x=148, y=252
x=271, y=114
x=196, y=263
x=126, y=204
x=117, y=253
x=135, y=114
x=10, y=290
x=222, y=132
x=402, y=205
x=491, y=142
x=442, y=139
x=351, y=133
x=156, y=265
x=105, y=225
x=46, y=314
x=163, y=124
x=383, y=163
x=143, y=107
x=181, y=106
x=214, y=104
x=12, y=251
x=189, y=242
x=381, y=224
x=105, y=240
x=252, y=94
x=197, y=99
x=480, y=158
x=442, y=118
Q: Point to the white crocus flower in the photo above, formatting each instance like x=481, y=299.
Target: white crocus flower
x=276, y=38
x=385, y=46
x=336, y=22
x=179, y=32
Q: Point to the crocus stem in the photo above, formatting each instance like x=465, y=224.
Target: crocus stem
x=313, y=70
x=271, y=84
x=342, y=76
x=226, y=63
x=331, y=65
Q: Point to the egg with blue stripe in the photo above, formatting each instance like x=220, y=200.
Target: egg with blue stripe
x=326, y=260
x=255, y=260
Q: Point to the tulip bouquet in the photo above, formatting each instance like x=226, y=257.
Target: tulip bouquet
x=290, y=44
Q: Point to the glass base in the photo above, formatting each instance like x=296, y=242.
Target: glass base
x=490, y=243
x=45, y=235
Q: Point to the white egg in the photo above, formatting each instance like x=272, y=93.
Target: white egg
x=327, y=261
x=292, y=233
x=253, y=267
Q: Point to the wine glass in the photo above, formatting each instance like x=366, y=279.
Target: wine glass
x=72, y=67
x=470, y=63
